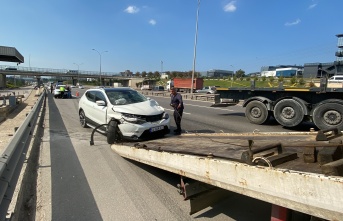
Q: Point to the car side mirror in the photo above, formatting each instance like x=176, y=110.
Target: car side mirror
x=100, y=103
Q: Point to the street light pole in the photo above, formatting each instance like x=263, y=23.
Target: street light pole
x=100, y=63
x=195, y=48
x=232, y=73
x=161, y=67
x=78, y=73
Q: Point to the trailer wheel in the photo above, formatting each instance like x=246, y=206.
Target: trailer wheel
x=82, y=118
x=329, y=115
x=288, y=113
x=113, y=132
x=256, y=112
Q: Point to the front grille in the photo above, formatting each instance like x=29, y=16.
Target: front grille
x=152, y=118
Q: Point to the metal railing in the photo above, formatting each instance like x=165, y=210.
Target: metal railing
x=10, y=162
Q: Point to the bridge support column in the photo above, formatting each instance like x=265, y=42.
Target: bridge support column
x=74, y=81
x=38, y=82
x=2, y=81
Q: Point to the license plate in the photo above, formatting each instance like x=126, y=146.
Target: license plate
x=154, y=129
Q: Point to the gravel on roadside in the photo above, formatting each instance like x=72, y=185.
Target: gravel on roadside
x=16, y=118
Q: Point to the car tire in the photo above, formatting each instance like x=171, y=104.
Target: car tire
x=113, y=132
x=83, y=120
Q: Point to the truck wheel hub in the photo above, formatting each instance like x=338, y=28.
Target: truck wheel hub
x=256, y=112
x=288, y=112
x=332, y=117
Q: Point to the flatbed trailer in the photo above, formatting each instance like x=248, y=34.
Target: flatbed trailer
x=296, y=171
x=289, y=106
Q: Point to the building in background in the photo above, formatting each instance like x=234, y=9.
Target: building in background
x=282, y=70
x=318, y=70
x=215, y=73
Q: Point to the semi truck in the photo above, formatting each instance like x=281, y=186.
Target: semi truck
x=298, y=173
x=185, y=84
x=289, y=106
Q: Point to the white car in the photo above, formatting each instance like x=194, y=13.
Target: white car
x=57, y=91
x=207, y=90
x=124, y=113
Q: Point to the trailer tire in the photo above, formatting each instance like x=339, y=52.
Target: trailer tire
x=328, y=115
x=83, y=119
x=289, y=112
x=256, y=112
x=113, y=132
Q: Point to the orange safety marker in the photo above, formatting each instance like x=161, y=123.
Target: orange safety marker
x=77, y=93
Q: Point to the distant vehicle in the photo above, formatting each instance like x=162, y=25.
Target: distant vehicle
x=116, y=84
x=146, y=87
x=81, y=86
x=124, y=113
x=72, y=86
x=336, y=79
x=11, y=69
x=170, y=84
x=185, y=84
x=158, y=88
x=57, y=91
x=72, y=72
x=207, y=90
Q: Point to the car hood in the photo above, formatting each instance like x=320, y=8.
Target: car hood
x=149, y=107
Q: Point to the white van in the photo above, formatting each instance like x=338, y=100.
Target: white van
x=336, y=79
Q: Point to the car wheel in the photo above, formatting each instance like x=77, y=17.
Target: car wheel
x=113, y=132
x=83, y=121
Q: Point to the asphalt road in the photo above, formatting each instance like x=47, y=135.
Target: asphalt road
x=82, y=182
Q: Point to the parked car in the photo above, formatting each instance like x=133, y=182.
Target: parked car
x=336, y=79
x=146, y=87
x=207, y=90
x=81, y=87
x=158, y=88
x=125, y=113
x=57, y=91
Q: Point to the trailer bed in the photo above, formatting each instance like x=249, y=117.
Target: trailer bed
x=217, y=159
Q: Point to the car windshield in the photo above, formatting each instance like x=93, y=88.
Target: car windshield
x=125, y=97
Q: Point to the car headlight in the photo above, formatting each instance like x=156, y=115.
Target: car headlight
x=132, y=118
x=165, y=115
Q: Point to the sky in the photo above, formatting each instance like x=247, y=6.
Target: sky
x=160, y=35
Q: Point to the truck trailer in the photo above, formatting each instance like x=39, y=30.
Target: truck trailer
x=289, y=106
x=298, y=173
x=185, y=84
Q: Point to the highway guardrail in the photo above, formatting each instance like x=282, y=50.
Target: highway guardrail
x=10, y=160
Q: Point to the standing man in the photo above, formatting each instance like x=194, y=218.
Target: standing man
x=62, y=89
x=177, y=103
x=51, y=87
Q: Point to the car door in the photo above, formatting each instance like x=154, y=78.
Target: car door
x=88, y=106
x=100, y=112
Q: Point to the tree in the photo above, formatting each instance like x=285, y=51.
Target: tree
x=150, y=75
x=137, y=74
x=240, y=73
x=144, y=74
x=157, y=75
